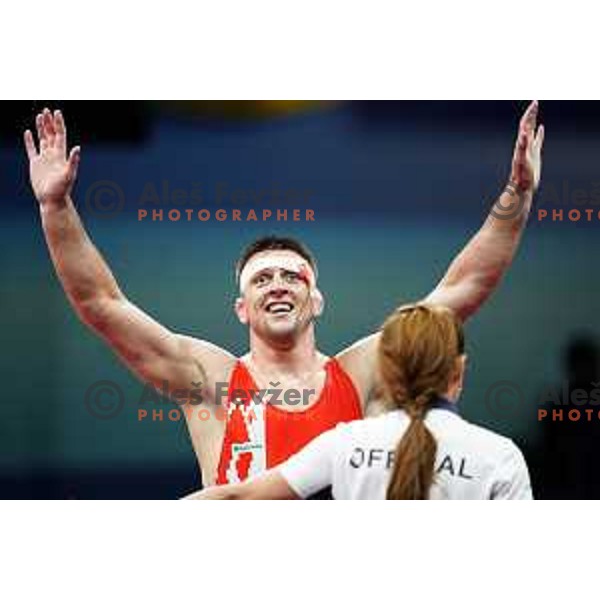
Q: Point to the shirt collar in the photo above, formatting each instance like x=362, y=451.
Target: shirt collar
x=443, y=404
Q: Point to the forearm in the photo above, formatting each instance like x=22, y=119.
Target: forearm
x=510, y=212
x=491, y=250
x=217, y=492
x=269, y=486
x=81, y=269
x=476, y=272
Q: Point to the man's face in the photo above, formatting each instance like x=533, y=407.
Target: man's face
x=279, y=300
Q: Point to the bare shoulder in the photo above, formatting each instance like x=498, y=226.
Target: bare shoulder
x=365, y=348
x=215, y=363
x=359, y=360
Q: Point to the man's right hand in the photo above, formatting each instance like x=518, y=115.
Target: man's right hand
x=52, y=173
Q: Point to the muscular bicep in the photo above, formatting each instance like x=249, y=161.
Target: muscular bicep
x=463, y=298
x=153, y=352
x=476, y=272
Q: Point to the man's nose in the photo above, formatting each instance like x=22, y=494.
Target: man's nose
x=278, y=285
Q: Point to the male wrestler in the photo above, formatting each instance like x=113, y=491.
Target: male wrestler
x=278, y=300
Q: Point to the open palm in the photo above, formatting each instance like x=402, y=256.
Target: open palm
x=527, y=158
x=52, y=173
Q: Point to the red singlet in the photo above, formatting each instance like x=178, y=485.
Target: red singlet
x=260, y=435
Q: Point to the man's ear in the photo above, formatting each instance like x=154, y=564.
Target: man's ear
x=241, y=311
x=318, y=302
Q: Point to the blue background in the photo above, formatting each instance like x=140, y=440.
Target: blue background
x=397, y=190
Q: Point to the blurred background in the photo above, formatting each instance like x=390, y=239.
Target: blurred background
x=397, y=189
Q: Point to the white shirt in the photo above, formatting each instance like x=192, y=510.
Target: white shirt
x=355, y=459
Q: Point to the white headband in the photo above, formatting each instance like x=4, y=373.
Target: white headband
x=273, y=261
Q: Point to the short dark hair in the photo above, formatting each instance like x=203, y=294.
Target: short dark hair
x=273, y=242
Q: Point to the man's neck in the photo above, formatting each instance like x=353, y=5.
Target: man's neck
x=299, y=356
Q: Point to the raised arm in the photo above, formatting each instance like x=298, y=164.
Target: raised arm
x=477, y=270
x=150, y=350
